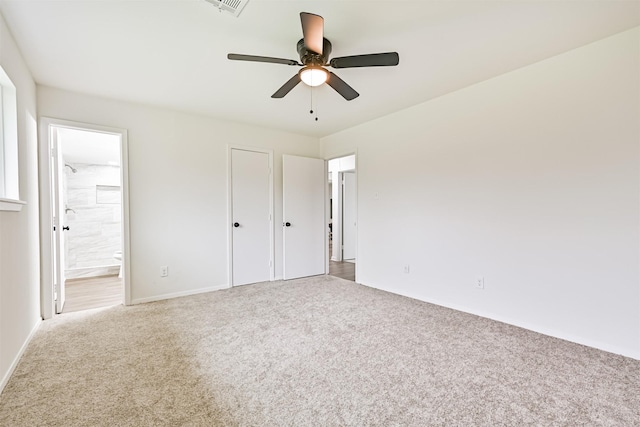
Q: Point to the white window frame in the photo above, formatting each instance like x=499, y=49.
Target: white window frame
x=9, y=177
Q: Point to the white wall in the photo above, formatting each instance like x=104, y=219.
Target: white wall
x=178, y=187
x=531, y=180
x=19, y=250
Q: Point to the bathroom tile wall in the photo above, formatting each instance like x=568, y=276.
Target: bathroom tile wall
x=93, y=214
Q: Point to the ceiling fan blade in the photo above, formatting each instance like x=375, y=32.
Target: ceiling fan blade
x=253, y=58
x=342, y=87
x=286, y=88
x=313, y=31
x=372, y=60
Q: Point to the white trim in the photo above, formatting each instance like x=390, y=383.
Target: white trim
x=46, y=252
x=47, y=308
x=358, y=262
x=340, y=228
x=272, y=266
x=126, y=230
x=179, y=294
x=2, y=137
x=9, y=157
x=327, y=215
x=16, y=359
x=11, y=205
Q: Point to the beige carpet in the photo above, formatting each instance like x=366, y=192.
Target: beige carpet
x=317, y=352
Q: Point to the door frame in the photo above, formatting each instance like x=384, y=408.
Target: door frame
x=57, y=235
x=47, y=303
x=342, y=178
x=329, y=195
x=230, y=148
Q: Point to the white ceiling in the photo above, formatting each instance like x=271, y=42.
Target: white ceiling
x=172, y=53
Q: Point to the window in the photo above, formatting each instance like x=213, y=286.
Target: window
x=9, y=189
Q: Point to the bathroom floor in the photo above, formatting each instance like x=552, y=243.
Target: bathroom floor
x=93, y=292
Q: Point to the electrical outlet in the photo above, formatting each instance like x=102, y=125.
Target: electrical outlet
x=406, y=269
x=164, y=271
x=480, y=283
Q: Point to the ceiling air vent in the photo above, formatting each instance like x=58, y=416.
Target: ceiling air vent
x=232, y=6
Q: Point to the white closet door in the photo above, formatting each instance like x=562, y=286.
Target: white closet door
x=251, y=254
x=304, y=225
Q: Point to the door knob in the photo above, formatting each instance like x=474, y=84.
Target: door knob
x=235, y=224
x=66, y=227
x=287, y=224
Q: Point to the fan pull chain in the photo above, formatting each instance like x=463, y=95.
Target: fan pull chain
x=311, y=110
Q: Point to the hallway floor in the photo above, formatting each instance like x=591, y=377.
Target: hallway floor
x=343, y=269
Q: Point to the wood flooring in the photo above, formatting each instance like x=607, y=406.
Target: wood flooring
x=344, y=270
x=341, y=269
x=93, y=292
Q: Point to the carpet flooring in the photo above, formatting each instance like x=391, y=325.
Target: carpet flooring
x=313, y=352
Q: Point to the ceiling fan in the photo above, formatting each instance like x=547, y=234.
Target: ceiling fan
x=314, y=52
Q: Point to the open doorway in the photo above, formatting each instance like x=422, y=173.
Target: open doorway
x=92, y=219
x=342, y=217
x=84, y=217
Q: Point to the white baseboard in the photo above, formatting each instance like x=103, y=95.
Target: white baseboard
x=15, y=361
x=531, y=327
x=178, y=294
x=186, y=293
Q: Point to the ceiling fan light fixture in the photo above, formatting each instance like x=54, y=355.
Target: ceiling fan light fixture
x=313, y=76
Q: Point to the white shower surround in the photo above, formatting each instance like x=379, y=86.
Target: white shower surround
x=95, y=229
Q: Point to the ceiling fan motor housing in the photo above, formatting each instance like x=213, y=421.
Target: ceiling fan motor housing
x=310, y=58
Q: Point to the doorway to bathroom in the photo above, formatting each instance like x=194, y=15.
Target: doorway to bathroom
x=88, y=224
